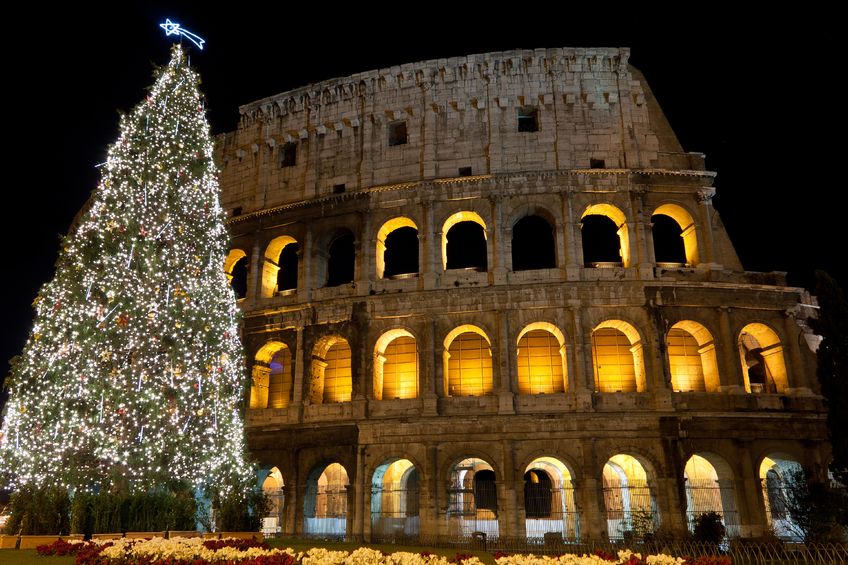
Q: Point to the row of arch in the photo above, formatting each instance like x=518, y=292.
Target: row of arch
x=541, y=363
x=605, y=241
x=549, y=501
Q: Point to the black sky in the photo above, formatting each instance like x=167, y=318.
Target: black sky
x=758, y=93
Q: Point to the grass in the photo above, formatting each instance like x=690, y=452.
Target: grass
x=30, y=557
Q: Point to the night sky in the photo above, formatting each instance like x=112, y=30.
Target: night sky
x=757, y=93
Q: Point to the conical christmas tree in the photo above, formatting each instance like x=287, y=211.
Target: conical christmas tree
x=133, y=374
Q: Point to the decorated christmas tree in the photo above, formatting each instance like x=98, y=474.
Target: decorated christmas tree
x=133, y=374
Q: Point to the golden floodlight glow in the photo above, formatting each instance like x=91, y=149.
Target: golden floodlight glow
x=271, y=264
x=762, y=354
x=464, y=216
x=687, y=227
x=618, y=358
x=468, y=362
x=383, y=233
x=620, y=220
x=396, y=365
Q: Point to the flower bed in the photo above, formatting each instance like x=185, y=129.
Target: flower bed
x=195, y=551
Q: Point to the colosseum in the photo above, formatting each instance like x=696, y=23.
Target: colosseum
x=490, y=295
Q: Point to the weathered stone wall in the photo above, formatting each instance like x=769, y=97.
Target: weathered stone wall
x=462, y=112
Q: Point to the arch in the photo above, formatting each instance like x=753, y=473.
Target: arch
x=341, y=259
x=453, y=220
x=396, y=365
x=778, y=472
x=467, y=362
x=272, y=487
x=325, y=501
x=618, y=357
x=271, y=264
x=549, y=501
x=385, y=251
x=542, y=367
x=472, y=498
x=687, y=231
x=272, y=376
x=692, y=358
x=235, y=267
x=628, y=498
x=533, y=244
x=620, y=221
x=395, y=499
x=710, y=488
x=332, y=379
x=763, y=364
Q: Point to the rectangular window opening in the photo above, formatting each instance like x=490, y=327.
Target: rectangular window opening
x=528, y=119
x=289, y=155
x=465, y=171
x=397, y=133
x=338, y=188
x=597, y=164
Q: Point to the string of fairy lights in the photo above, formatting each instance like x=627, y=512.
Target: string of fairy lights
x=133, y=372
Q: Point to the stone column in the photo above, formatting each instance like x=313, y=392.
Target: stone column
x=588, y=490
x=430, y=248
x=507, y=500
x=582, y=381
x=730, y=378
x=504, y=375
x=708, y=252
x=306, y=276
x=644, y=253
x=573, y=243
x=752, y=512
x=799, y=384
x=431, y=374
x=496, y=234
x=360, y=500
x=254, y=274
x=364, y=269
x=297, y=384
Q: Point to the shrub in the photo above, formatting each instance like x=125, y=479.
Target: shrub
x=108, y=512
x=240, y=511
x=39, y=511
x=709, y=528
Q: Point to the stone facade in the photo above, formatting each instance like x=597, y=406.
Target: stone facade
x=426, y=145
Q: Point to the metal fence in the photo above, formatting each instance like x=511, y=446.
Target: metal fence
x=394, y=512
x=630, y=509
x=550, y=512
x=708, y=495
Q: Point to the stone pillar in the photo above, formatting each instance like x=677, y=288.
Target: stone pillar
x=496, y=235
x=573, y=243
x=431, y=371
x=581, y=380
x=798, y=379
x=306, y=276
x=507, y=500
x=291, y=502
x=752, y=512
x=639, y=237
x=590, y=495
x=360, y=500
x=671, y=508
x=431, y=248
x=254, y=275
x=730, y=378
x=297, y=384
x=364, y=268
x=709, y=255
x=504, y=374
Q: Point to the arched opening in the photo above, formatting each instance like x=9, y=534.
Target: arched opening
x=541, y=359
x=549, y=504
x=397, y=248
x=272, y=376
x=235, y=267
x=325, y=502
x=468, y=362
x=628, y=499
x=709, y=488
x=341, y=260
x=287, y=274
x=332, y=378
x=692, y=358
x=395, y=500
x=464, y=242
x=675, y=238
x=272, y=487
x=605, y=237
x=472, y=498
x=277, y=267
x=396, y=365
x=618, y=358
x=533, y=244
x=763, y=366
x=778, y=473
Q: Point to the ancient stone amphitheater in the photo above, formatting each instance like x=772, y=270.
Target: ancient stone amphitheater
x=491, y=294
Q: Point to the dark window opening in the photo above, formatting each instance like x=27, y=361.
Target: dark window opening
x=600, y=240
x=465, y=171
x=485, y=492
x=239, y=280
x=597, y=164
x=397, y=133
x=528, y=118
x=338, y=188
x=467, y=247
x=236, y=211
x=340, y=264
x=401, y=255
x=287, y=275
x=668, y=243
x=533, y=244
x=288, y=154
x=538, y=494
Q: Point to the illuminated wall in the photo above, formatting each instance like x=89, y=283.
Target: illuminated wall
x=272, y=376
x=400, y=370
x=618, y=358
x=617, y=216
x=271, y=266
x=687, y=226
x=331, y=497
x=383, y=233
x=762, y=359
x=337, y=374
x=451, y=222
x=692, y=358
x=468, y=362
x=541, y=362
x=230, y=261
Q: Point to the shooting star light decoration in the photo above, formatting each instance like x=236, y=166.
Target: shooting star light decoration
x=172, y=28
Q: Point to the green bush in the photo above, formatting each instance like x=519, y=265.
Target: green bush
x=39, y=511
x=709, y=528
x=240, y=511
x=108, y=512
